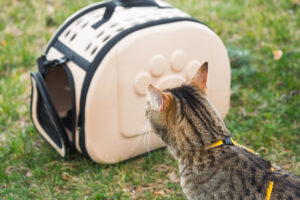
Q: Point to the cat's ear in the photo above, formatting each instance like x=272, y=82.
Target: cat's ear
x=200, y=78
x=156, y=98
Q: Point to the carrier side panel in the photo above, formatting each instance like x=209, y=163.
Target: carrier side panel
x=168, y=56
x=115, y=104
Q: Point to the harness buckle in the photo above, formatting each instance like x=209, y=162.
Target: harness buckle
x=228, y=141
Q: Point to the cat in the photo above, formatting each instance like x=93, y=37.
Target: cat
x=211, y=164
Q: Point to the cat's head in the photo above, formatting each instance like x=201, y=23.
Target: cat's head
x=183, y=117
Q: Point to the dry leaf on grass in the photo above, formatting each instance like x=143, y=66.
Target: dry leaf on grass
x=13, y=29
x=277, y=54
x=29, y=174
x=65, y=176
x=17, y=170
x=50, y=9
x=160, y=192
x=173, y=177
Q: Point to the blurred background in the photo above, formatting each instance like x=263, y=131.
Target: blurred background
x=263, y=41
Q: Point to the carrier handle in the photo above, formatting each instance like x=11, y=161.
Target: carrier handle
x=136, y=3
x=110, y=8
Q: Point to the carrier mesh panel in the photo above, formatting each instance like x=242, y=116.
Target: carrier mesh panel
x=75, y=36
x=47, y=122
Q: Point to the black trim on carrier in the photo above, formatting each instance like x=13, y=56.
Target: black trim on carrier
x=98, y=59
x=42, y=92
x=70, y=21
x=70, y=54
x=136, y=3
x=44, y=64
x=110, y=8
x=108, y=13
x=73, y=93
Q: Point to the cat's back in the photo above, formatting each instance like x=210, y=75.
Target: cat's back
x=224, y=172
x=286, y=186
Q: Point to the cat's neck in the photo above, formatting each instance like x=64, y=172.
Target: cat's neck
x=212, y=127
x=205, y=136
x=213, y=132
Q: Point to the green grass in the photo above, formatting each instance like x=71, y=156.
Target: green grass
x=264, y=114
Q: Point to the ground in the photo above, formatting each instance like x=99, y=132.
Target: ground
x=263, y=41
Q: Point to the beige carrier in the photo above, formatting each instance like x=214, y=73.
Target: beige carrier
x=89, y=94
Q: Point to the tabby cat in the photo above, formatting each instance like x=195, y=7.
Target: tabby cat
x=211, y=164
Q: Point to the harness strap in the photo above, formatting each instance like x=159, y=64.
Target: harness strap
x=270, y=187
x=229, y=141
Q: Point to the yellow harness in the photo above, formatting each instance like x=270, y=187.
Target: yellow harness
x=230, y=141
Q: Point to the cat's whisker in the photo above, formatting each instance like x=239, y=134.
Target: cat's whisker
x=145, y=136
x=149, y=141
x=141, y=135
x=136, y=144
x=149, y=132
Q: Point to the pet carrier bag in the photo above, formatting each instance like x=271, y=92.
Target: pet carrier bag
x=89, y=94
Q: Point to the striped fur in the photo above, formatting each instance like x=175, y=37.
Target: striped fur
x=188, y=124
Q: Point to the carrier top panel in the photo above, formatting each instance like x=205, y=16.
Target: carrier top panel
x=88, y=31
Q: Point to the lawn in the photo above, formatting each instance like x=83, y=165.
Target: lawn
x=264, y=114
